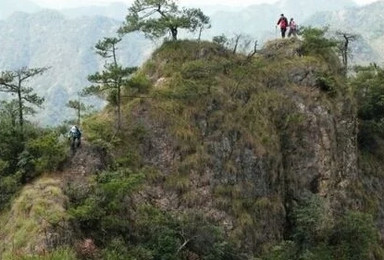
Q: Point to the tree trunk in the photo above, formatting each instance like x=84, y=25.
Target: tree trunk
x=346, y=46
x=79, y=114
x=200, y=32
x=174, y=33
x=118, y=107
x=118, y=88
x=21, y=120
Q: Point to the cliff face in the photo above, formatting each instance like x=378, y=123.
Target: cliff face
x=221, y=156
x=246, y=140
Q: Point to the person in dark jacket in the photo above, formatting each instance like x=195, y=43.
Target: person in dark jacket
x=74, y=136
x=283, y=23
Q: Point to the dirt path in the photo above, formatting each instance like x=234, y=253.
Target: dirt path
x=86, y=160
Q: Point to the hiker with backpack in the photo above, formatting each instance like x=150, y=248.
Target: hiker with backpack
x=292, y=28
x=283, y=23
x=74, y=136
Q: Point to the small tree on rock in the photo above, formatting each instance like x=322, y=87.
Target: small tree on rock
x=344, y=46
x=157, y=17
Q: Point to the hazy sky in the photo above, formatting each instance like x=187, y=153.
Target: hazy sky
x=74, y=3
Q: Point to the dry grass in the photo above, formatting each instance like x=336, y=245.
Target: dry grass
x=37, y=221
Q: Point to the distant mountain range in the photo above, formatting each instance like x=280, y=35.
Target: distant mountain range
x=49, y=39
x=8, y=7
x=63, y=40
x=366, y=22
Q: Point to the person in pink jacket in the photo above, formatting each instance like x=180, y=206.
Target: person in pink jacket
x=292, y=28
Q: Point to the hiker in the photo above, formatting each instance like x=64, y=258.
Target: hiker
x=74, y=134
x=292, y=28
x=283, y=23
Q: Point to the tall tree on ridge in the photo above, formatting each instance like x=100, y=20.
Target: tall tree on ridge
x=157, y=17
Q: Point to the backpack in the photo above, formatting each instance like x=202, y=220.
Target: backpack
x=284, y=22
x=75, y=132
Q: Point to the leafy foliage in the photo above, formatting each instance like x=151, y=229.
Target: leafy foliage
x=356, y=237
x=311, y=222
x=24, y=158
x=129, y=231
x=353, y=235
x=368, y=84
x=104, y=212
x=46, y=152
x=316, y=43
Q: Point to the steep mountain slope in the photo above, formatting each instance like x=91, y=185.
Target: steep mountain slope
x=245, y=141
x=66, y=46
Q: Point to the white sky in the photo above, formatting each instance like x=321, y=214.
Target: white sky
x=74, y=3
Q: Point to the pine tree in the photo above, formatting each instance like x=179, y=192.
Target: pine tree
x=14, y=82
x=157, y=17
x=109, y=82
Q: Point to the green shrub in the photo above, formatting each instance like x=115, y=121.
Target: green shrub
x=9, y=185
x=286, y=250
x=98, y=128
x=311, y=223
x=138, y=84
x=315, y=43
x=356, y=237
x=102, y=212
x=117, y=249
x=46, y=152
x=368, y=84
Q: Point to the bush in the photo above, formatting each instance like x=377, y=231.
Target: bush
x=311, y=222
x=117, y=249
x=98, y=128
x=286, y=250
x=102, y=212
x=356, y=237
x=317, y=44
x=9, y=185
x=176, y=237
x=46, y=152
x=368, y=84
x=138, y=84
